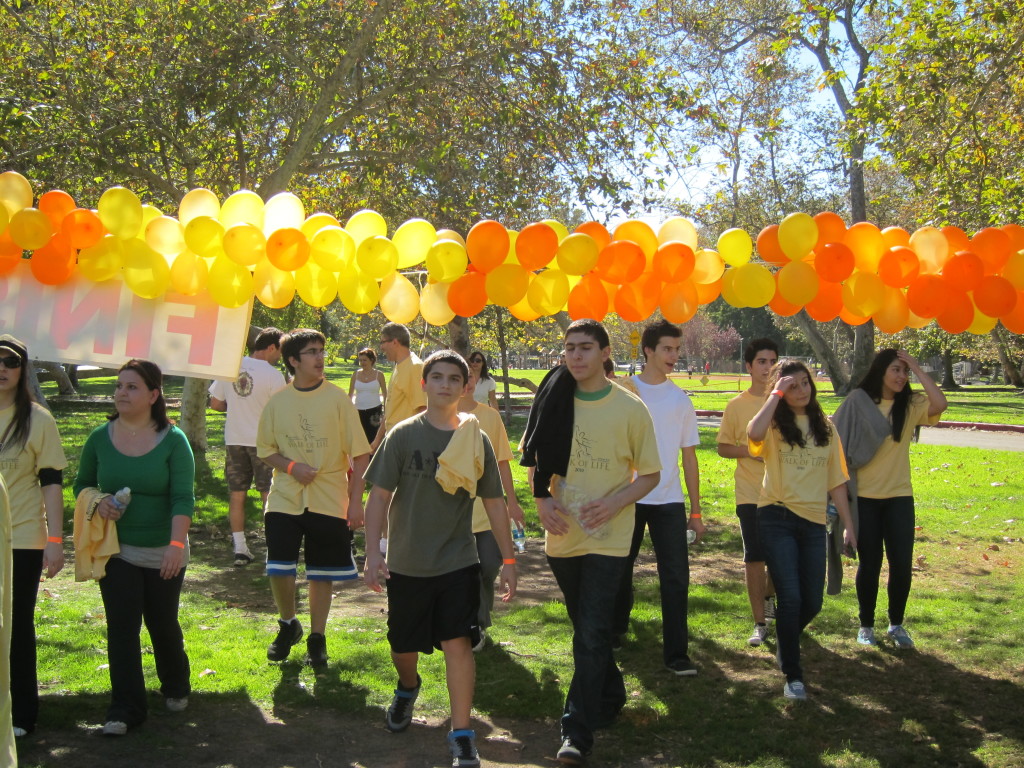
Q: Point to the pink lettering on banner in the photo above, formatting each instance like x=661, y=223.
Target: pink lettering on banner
x=140, y=333
x=200, y=326
x=94, y=314
x=27, y=315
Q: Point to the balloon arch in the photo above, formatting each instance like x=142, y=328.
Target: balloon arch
x=243, y=247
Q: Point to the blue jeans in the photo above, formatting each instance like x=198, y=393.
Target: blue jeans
x=794, y=549
x=667, y=524
x=888, y=522
x=597, y=692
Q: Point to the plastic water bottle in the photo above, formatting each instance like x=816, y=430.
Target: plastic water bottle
x=122, y=498
x=831, y=517
x=691, y=535
x=518, y=537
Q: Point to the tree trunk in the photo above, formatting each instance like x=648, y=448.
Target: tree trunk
x=34, y=388
x=825, y=353
x=458, y=333
x=64, y=385
x=863, y=351
x=193, y=413
x=1009, y=369
x=948, y=381
x=503, y=351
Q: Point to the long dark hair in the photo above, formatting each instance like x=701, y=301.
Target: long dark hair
x=785, y=420
x=872, y=384
x=153, y=378
x=485, y=372
x=21, y=422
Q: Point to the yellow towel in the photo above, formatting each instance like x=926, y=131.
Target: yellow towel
x=95, y=537
x=461, y=464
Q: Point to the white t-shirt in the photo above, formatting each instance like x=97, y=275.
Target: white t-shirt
x=482, y=390
x=675, y=427
x=246, y=396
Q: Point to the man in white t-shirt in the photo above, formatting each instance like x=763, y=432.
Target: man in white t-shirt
x=663, y=510
x=243, y=401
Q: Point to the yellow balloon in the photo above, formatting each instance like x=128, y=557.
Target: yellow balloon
x=446, y=261
x=413, y=240
x=150, y=213
x=735, y=247
x=511, y=257
x=753, y=284
x=205, y=236
x=317, y=286
x=506, y=284
x=316, y=222
x=283, y=211
x=729, y=294
x=863, y=293
x=932, y=249
x=559, y=228
x=229, y=284
x=244, y=244
x=30, y=228
x=523, y=310
x=892, y=316
x=275, y=288
x=708, y=267
x=358, y=292
x=982, y=324
x=548, y=292
x=798, y=234
x=242, y=207
x=189, y=274
x=365, y=224
x=639, y=232
x=377, y=256
x=102, y=261
x=399, y=300
x=198, y=202
x=1013, y=270
x=5, y=217
x=333, y=248
x=15, y=192
x=120, y=210
x=451, y=234
x=798, y=282
x=916, y=322
x=145, y=271
x=679, y=229
x=165, y=235
x=434, y=304
x=577, y=253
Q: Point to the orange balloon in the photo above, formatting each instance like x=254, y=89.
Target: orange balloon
x=287, y=249
x=487, y=245
x=536, y=245
x=768, y=246
x=931, y=247
x=831, y=228
x=708, y=292
x=1014, y=320
x=588, y=298
x=958, y=313
x=598, y=232
x=928, y=295
x=56, y=204
x=993, y=245
x=834, y=262
x=827, y=304
x=894, y=237
x=54, y=263
x=865, y=240
x=899, y=265
x=995, y=296
x=779, y=305
x=850, y=318
x=83, y=228
x=636, y=301
x=621, y=261
x=10, y=253
x=1016, y=235
x=639, y=232
x=863, y=293
x=964, y=271
x=1014, y=270
x=679, y=301
x=673, y=262
x=467, y=296
x=893, y=315
x=957, y=239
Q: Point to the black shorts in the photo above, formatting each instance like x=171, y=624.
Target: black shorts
x=242, y=466
x=328, y=546
x=424, y=611
x=752, y=552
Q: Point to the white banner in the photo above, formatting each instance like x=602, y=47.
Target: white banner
x=105, y=324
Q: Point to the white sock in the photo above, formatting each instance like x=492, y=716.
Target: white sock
x=240, y=545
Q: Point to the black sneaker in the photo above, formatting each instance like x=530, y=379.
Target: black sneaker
x=571, y=753
x=288, y=635
x=399, y=714
x=682, y=668
x=316, y=650
x=462, y=743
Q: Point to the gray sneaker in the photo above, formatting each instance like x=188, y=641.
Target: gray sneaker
x=399, y=714
x=866, y=636
x=758, y=636
x=900, y=636
x=769, y=610
x=795, y=690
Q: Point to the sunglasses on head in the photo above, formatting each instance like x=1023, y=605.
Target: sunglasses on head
x=11, y=362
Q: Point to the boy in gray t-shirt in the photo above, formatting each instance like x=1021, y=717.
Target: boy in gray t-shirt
x=432, y=570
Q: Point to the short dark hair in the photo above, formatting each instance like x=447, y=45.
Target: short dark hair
x=268, y=337
x=153, y=378
x=449, y=356
x=396, y=332
x=293, y=342
x=755, y=346
x=653, y=333
x=369, y=353
x=591, y=328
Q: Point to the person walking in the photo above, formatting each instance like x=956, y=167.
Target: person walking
x=369, y=390
x=485, y=389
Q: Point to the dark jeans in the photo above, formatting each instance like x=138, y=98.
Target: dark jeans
x=667, y=524
x=597, y=692
x=132, y=595
x=888, y=523
x=490, y=566
x=27, y=569
x=794, y=549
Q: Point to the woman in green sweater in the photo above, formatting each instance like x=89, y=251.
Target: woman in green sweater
x=139, y=449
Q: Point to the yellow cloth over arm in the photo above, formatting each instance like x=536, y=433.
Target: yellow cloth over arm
x=461, y=464
x=95, y=537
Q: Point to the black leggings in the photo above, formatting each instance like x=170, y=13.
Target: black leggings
x=28, y=567
x=888, y=523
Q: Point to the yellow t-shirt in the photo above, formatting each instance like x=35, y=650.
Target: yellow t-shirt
x=20, y=468
x=405, y=394
x=320, y=428
x=800, y=478
x=887, y=475
x=749, y=474
x=612, y=438
x=494, y=427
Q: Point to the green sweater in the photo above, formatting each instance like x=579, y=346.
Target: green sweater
x=162, y=483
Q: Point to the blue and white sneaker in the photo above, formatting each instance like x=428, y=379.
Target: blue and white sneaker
x=462, y=744
x=900, y=636
x=866, y=636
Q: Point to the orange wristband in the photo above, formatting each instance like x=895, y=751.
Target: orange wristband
x=695, y=515
x=778, y=393
x=290, y=466
x=178, y=544
x=509, y=561
x=54, y=540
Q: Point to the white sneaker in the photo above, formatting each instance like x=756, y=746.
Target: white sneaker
x=115, y=728
x=759, y=635
x=866, y=636
x=176, y=705
x=19, y=732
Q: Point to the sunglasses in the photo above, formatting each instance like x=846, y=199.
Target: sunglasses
x=11, y=362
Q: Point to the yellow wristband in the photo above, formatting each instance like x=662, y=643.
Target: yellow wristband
x=178, y=544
